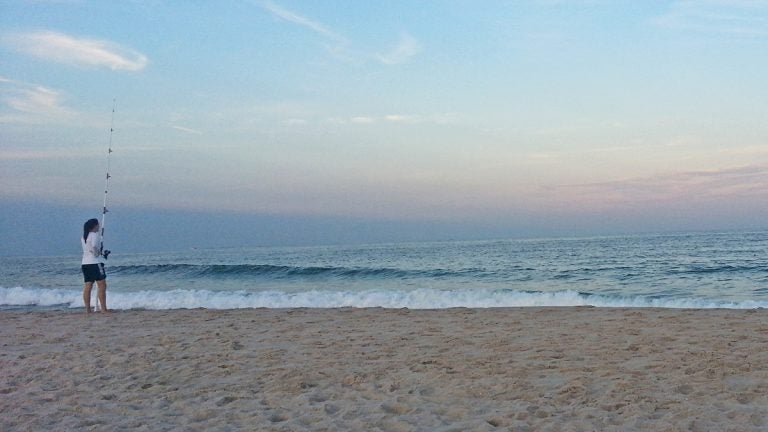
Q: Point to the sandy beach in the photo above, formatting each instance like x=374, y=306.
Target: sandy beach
x=532, y=369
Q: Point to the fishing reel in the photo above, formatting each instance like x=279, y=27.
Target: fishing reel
x=106, y=253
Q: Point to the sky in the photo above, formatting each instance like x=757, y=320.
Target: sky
x=372, y=120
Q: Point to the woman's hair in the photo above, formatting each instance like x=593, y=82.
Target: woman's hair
x=88, y=226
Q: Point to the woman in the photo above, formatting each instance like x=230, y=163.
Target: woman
x=93, y=268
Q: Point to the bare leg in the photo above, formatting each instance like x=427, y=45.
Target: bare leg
x=87, y=296
x=102, y=293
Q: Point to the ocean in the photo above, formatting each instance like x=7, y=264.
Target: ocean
x=694, y=270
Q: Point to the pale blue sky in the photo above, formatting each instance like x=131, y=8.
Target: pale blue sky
x=556, y=113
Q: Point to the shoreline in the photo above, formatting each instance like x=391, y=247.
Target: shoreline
x=534, y=368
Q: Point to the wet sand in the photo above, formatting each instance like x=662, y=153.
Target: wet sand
x=531, y=369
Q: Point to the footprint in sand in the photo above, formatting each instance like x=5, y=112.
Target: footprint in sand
x=496, y=422
x=318, y=398
x=427, y=391
x=278, y=417
x=395, y=408
x=331, y=409
x=226, y=400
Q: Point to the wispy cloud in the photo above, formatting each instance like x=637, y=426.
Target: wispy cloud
x=749, y=151
x=696, y=186
x=405, y=49
x=81, y=52
x=36, y=100
x=295, y=18
x=363, y=120
x=440, y=119
x=341, y=47
x=31, y=103
x=745, y=19
x=187, y=130
x=398, y=118
x=418, y=119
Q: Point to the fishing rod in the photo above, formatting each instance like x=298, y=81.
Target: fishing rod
x=105, y=253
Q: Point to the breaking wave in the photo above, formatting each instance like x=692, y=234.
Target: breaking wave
x=413, y=299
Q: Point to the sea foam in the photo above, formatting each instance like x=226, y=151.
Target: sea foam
x=411, y=299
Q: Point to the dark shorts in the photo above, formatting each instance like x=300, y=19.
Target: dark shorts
x=93, y=272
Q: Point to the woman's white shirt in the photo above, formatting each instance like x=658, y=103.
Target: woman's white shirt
x=91, y=248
